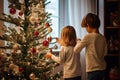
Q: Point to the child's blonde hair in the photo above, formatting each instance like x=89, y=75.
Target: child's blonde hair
x=68, y=36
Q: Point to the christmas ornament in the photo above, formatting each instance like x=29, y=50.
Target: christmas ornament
x=49, y=29
x=47, y=24
x=33, y=50
x=3, y=55
x=21, y=69
x=36, y=33
x=12, y=10
x=15, y=46
x=49, y=38
x=32, y=76
x=32, y=19
x=14, y=51
x=45, y=43
x=20, y=13
x=14, y=68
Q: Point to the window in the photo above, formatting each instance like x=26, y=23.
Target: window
x=53, y=7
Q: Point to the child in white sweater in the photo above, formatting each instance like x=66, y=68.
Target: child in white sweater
x=95, y=47
x=67, y=57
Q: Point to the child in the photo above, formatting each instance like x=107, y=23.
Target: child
x=95, y=47
x=67, y=57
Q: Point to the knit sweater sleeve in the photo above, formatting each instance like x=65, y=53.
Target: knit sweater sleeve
x=56, y=58
x=61, y=58
x=81, y=44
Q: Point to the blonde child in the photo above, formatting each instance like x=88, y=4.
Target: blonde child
x=67, y=57
x=95, y=47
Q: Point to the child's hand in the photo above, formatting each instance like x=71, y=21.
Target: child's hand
x=78, y=40
x=57, y=40
x=48, y=55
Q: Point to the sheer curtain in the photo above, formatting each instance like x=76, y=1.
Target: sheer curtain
x=77, y=10
x=71, y=13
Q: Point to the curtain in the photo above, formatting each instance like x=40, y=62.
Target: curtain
x=74, y=11
x=77, y=10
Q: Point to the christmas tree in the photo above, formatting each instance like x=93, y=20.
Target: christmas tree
x=27, y=39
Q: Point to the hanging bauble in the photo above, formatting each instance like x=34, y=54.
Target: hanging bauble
x=49, y=38
x=45, y=43
x=12, y=10
x=11, y=66
x=49, y=29
x=32, y=76
x=32, y=19
x=21, y=69
x=47, y=24
x=20, y=13
x=3, y=55
x=36, y=33
x=15, y=46
x=33, y=50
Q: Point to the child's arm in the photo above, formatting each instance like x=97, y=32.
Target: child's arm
x=80, y=44
x=78, y=40
x=58, y=40
x=55, y=58
x=60, y=59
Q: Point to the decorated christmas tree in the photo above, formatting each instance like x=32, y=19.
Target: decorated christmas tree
x=27, y=39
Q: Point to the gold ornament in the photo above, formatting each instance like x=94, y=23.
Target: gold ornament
x=32, y=76
x=49, y=29
x=15, y=47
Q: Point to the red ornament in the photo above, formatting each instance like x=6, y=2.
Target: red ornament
x=21, y=69
x=45, y=43
x=50, y=39
x=33, y=50
x=21, y=13
x=12, y=10
x=36, y=24
x=47, y=24
x=36, y=33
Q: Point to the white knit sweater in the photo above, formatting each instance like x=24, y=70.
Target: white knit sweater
x=95, y=49
x=70, y=61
